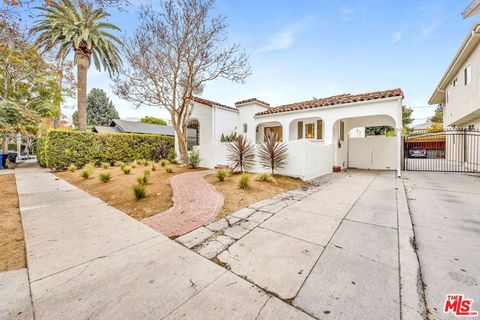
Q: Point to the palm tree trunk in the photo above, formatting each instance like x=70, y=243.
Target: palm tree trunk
x=82, y=68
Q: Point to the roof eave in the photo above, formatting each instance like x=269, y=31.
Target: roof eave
x=468, y=45
x=342, y=105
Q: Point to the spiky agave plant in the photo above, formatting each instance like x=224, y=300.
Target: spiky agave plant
x=271, y=153
x=241, y=154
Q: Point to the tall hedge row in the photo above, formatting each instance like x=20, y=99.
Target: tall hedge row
x=58, y=149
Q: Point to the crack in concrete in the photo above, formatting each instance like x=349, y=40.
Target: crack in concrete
x=421, y=287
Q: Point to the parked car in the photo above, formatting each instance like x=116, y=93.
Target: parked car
x=417, y=152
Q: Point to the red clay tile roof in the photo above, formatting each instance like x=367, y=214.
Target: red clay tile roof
x=252, y=100
x=211, y=103
x=334, y=100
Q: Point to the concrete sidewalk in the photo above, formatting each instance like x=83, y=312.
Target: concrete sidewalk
x=87, y=260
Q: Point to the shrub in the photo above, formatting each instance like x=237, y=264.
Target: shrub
x=164, y=163
x=105, y=177
x=146, y=163
x=272, y=154
x=139, y=162
x=144, y=179
x=221, y=174
x=105, y=165
x=169, y=169
x=126, y=169
x=229, y=137
x=161, y=151
x=58, y=148
x=265, y=177
x=133, y=164
x=154, y=167
x=241, y=154
x=139, y=191
x=72, y=168
x=87, y=171
x=194, y=159
x=172, y=156
x=244, y=182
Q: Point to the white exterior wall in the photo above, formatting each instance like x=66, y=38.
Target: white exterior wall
x=204, y=115
x=373, y=152
x=462, y=100
x=226, y=122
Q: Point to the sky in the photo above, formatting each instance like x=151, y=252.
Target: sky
x=300, y=49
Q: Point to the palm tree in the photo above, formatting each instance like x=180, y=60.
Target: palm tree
x=84, y=31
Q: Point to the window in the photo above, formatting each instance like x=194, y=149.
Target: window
x=342, y=131
x=300, y=130
x=454, y=82
x=319, y=129
x=277, y=129
x=245, y=128
x=310, y=131
x=467, y=74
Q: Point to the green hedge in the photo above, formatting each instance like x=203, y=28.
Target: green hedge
x=58, y=149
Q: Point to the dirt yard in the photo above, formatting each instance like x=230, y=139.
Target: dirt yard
x=12, y=244
x=118, y=191
x=236, y=198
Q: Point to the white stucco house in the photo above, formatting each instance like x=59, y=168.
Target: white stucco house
x=320, y=133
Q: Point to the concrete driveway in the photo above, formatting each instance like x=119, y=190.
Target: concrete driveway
x=334, y=253
x=445, y=209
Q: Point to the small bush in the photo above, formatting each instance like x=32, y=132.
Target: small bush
x=265, y=177
x=164, y=163
x=139, y=162
x=133, y=164
x=86, y=173
x=105, y=177
x=169, y=169
x=146, y=163
x=194, y=159
x=144, y=179
x=126, y=169
x=244, y=182
x=221, y=174
x=105, y=165
x=154, y=167
x=72, y=168
x=172, y=156
x=139, y=191
x=119, y=164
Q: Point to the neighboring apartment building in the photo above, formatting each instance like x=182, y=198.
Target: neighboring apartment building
x=459, y=88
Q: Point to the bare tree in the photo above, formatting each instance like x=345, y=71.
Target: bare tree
x=272, y=154
x=172, y=55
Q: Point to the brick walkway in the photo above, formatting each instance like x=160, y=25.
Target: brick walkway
x=196, y=203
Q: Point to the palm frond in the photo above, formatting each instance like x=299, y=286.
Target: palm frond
x=241, y=154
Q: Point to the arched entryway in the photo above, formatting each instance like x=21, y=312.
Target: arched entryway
x=193, y=134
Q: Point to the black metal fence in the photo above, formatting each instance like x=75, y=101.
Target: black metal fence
x=449, y=150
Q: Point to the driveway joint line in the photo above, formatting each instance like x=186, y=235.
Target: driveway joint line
x=372, y=224
x=333, y=234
